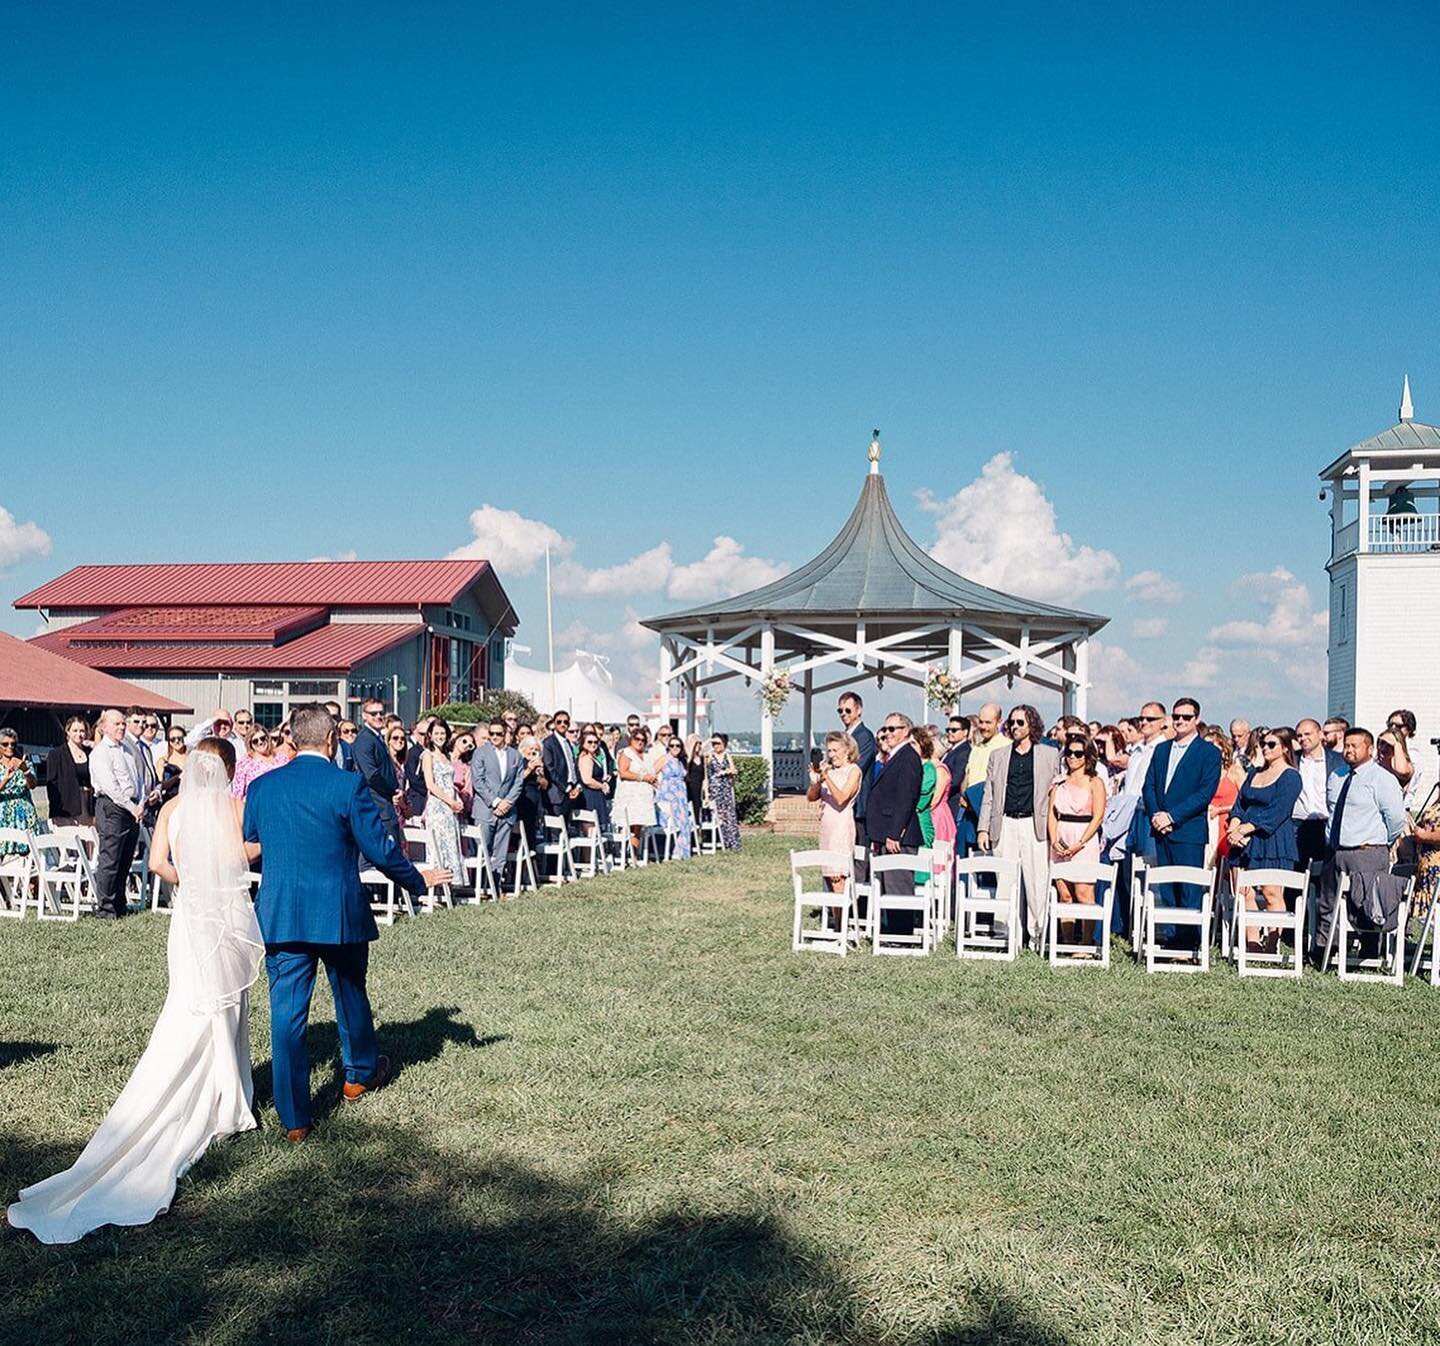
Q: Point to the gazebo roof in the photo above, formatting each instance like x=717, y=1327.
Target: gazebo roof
x=874, y=568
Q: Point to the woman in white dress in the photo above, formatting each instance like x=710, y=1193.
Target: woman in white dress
x=192, y=1083
x=634, y=805
x=442, y=801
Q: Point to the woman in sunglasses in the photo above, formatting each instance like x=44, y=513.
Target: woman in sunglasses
x=1262, y=825
x=671, y=801
x=592, y=764
x=260, y=759
x=17, y=809
x=1077, y=808
x=172, y=763
x=397, y=744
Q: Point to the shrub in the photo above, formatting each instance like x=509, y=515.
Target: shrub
x=491, y=708
x=752, y=794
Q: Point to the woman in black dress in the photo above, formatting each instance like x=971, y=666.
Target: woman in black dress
x=67, y=779
x=695, y=774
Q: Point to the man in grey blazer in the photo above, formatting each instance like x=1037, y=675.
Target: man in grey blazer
x=1016, y=808
x=496, y=777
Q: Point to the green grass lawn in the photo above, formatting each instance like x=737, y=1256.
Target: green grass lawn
x=628, y=1113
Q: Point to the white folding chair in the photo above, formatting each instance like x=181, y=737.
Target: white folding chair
x=522, y=857
x=1138, y=866
x=17, y=869
x=587, y=846
x=392, y=899
x=137, y=881
x=1257, y=963
x=1160, y=957
x=63, y=877
x=823, y=903
x=1079, y=955
x=1389, y=964
x=920, y=902
x=695, y=847
x=656, y=844
x=863, y=888
x=1000, y=903
x=709, y=832
x=419, y=837
x=1427, y=951
x=482, y=875
x=555, y=846
x=942, y=886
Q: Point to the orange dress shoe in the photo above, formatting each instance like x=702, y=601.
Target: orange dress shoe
x=297, y=1135
x=380, y=1079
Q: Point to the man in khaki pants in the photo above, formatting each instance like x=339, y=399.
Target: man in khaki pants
x=1015, y=808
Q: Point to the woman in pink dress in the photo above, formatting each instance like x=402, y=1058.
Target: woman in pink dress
x=834, y=785
x=1077, y=808
x=260, y=759
x=942, y=818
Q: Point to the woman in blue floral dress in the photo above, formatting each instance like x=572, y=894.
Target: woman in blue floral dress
x=672, y=799
x=16, y=781
x=720, y=774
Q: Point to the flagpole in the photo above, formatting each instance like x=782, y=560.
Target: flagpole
x=549, y=630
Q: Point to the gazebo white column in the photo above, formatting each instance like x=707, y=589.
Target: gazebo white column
x=690, y=699
x=807, y=684
x=1082, y=678
x=767, y=721
x=956, y=662
x=665, y=692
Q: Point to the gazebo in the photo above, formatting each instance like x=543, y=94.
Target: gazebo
x=873, y=605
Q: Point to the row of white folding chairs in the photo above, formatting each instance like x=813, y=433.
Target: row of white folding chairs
x=580, y=848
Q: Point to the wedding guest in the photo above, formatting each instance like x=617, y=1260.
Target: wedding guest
x=1239, y=738
x=1072, y=825
x=153, y=740
x=892, y=820
x=1427, y=864
x=942, y=811
x=534, y=784
x=695, y=775
x=67, y=779
x=835, y=785
x=397, y=745
x=1316, y=764
x=370, y=759
x=594, y=777
x=244, y=723
x=1262, y=826
x=957, y=761
x=671, y=801
x=1112, y=756
x=560, y=768
x=634, y=804
x=1333, y=731
x=116, y=781
x=413, y=780
x=1015, y=805
x=605, y=757
x=1179, y=785
x=220, y=725
x=460, y=760
x=342, y=744
x=720, y=774
x=1254, y=755
x=851, y=710
x=260, y=759
x=1367, y=813
x=511, y=720
x=497, y=774
x=17, y=779
x=1392, y=751
x=145, y=763
x=1217, y=848
x=172, y=765
x=283, y=742
x=442, y=800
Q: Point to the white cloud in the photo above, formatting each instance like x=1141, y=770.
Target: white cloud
x=20, y=541
x=1152, y=586
x=1000, y=530
x=1201, y=669
x=1149, y=628
x=1287, y=621
x=1117, y=681
x=339, y=556
x=644, y=573
x=513, y=544
x=634, y=635
x=724, y=570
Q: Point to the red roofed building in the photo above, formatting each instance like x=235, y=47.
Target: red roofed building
x=270, y=634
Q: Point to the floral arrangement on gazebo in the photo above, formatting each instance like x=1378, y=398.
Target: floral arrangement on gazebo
x=941, y=688
x=774, y=692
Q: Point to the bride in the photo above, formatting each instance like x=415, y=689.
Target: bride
x=193, y=1082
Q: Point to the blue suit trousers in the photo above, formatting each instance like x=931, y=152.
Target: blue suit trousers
x=291, y=970
x=1180, y=895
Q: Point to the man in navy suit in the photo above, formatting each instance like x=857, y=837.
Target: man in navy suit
x=1179, y=785
x=892, y=823
x=496, y=776
x=370, y=757
x=313, y=824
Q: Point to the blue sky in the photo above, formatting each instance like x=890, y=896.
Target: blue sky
x=287, y=283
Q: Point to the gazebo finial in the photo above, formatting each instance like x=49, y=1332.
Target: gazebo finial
x=1407, y=407
x=874, y=454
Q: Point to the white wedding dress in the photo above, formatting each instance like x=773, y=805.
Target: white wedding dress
x=193, y=1082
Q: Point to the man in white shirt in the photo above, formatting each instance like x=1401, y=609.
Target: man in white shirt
x=115, y=777
x=219, y=725
x=140, y=750
x=1316, y=764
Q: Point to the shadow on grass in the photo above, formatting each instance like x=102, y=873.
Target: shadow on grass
x=408, y=1043
x=13, y=1053
x=381, y=1236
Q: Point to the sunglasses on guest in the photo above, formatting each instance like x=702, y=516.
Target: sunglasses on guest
x=259, y=736
x=176, y=738
x=1077, y=753
x=1272, y=743
x=1182, y=714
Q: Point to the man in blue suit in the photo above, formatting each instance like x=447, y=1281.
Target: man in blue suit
x=370, y=757
x=313, y=824
x=1179, y=786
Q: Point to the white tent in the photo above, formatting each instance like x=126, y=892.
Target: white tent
x=585, y=689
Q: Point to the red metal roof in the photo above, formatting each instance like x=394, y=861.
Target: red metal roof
x=33, y=676
x=199, y=624
x=328, y=583
x=335, y=648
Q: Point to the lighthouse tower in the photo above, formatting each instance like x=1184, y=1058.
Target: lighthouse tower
x=1385, y=575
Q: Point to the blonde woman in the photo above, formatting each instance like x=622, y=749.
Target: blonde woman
x=835, y=785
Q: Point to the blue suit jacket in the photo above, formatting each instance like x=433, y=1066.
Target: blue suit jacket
x=865, y=741
x=370, y=757
x=1188, y=796
x=313, y=824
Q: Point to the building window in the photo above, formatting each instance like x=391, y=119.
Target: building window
x=1344, y=616
x=457, y=671
x=314, y=691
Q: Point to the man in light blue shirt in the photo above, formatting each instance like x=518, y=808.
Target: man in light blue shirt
x=1367, y=813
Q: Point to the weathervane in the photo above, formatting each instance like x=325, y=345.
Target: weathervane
x=874, y=453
